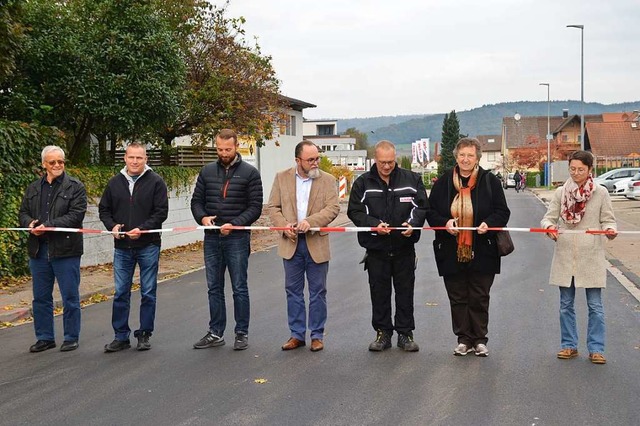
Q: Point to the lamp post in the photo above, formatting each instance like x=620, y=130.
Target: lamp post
x=581, y=27
x=548, y=174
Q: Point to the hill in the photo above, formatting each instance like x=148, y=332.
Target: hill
x=485, y=120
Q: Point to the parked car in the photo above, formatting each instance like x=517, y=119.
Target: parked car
x=609, y=178
x=633, y=188
x=509, y=182
x=620, y=187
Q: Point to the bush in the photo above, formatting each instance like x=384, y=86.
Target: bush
x=20, y=162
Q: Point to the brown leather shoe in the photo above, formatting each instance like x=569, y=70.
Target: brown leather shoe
x=567, y=353
x=316, y=345
x=597, y=358
x=292, y=343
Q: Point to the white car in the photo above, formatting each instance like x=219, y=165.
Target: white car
x=509, y=182
x=633, y=188
x=620, y=187
x=609, y=178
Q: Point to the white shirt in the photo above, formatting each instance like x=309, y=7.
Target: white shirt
x=303, y=189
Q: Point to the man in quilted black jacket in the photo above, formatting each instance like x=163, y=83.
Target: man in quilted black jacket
x=228, y=193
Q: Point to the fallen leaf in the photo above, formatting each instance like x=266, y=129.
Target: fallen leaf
x=260, y=381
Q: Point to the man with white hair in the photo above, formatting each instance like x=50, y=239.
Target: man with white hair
x=54, y=200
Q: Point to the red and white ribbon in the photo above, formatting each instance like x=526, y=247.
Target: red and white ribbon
x=326, y=229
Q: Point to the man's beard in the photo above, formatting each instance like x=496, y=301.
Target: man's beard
x=314, y=173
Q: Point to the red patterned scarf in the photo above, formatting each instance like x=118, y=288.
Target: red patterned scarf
x=462, y=209
x=574, y=199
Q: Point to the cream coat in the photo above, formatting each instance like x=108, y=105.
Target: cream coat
x=581, y=255
x=323, y=207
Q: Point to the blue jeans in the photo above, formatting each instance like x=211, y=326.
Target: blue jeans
x=44, y=271
x=294, y=272
x=220, y=253
x=124, y=264
x=595, y=327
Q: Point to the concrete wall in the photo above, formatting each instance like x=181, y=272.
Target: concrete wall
x=98, y=248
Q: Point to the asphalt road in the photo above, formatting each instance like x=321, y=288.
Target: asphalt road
x=520, y=383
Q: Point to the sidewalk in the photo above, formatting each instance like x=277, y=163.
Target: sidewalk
x=96, y=282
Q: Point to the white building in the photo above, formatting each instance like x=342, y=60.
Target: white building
x=340, y=149
x=491, y=152
x=279, y=153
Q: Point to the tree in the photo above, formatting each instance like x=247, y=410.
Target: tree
x=97, y=67
x=325, y=164
x=534, y=153
x=230, y=84
x=362, y=139
x=450, y=136
x=11, y=32
x=405, y=162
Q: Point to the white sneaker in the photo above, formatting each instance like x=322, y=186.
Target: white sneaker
x=481, y=350
x=462, y=350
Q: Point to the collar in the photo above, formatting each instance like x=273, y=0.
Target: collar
x=57, y=180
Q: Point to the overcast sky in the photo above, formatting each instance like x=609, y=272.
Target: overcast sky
x=356, y=58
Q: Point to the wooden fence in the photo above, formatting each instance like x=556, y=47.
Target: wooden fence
x=608, y=163
x=186, y=156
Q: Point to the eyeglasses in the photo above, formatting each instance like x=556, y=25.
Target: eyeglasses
x=575, y=171
x=54, y=162
x=310, y=160
x=386, y=163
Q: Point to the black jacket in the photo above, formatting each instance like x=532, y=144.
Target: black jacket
x=67, y=210
x=146, y=208
x=372, y=201
x=489, y=206
x=233, y=196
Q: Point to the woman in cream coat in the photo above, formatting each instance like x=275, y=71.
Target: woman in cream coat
x=578, y=259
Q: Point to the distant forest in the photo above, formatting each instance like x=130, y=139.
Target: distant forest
x=486, y=120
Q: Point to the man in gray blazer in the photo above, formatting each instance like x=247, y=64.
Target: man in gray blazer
x=304, y=197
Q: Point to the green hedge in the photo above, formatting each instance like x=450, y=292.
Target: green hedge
x=20, y=147
x=20, y=164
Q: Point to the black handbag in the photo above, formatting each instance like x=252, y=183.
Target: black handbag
x=503, y=238
x=504, y=243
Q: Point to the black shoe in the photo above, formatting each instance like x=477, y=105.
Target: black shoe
x=210, y=340
x=241, y=343
x=382, y=342
x=405, y=341
x=143, y=341
x=42, y=345
x=117, y=345
x=69, y=345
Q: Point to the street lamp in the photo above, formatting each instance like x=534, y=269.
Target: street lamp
x=548, y=174
x=581, y=27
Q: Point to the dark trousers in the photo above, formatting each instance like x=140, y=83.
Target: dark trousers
x=385, y=270
x=469, y=299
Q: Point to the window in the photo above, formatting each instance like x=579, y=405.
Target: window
x=491, y=156
x=291, y=126
x=565, y=138
x=325, y=129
